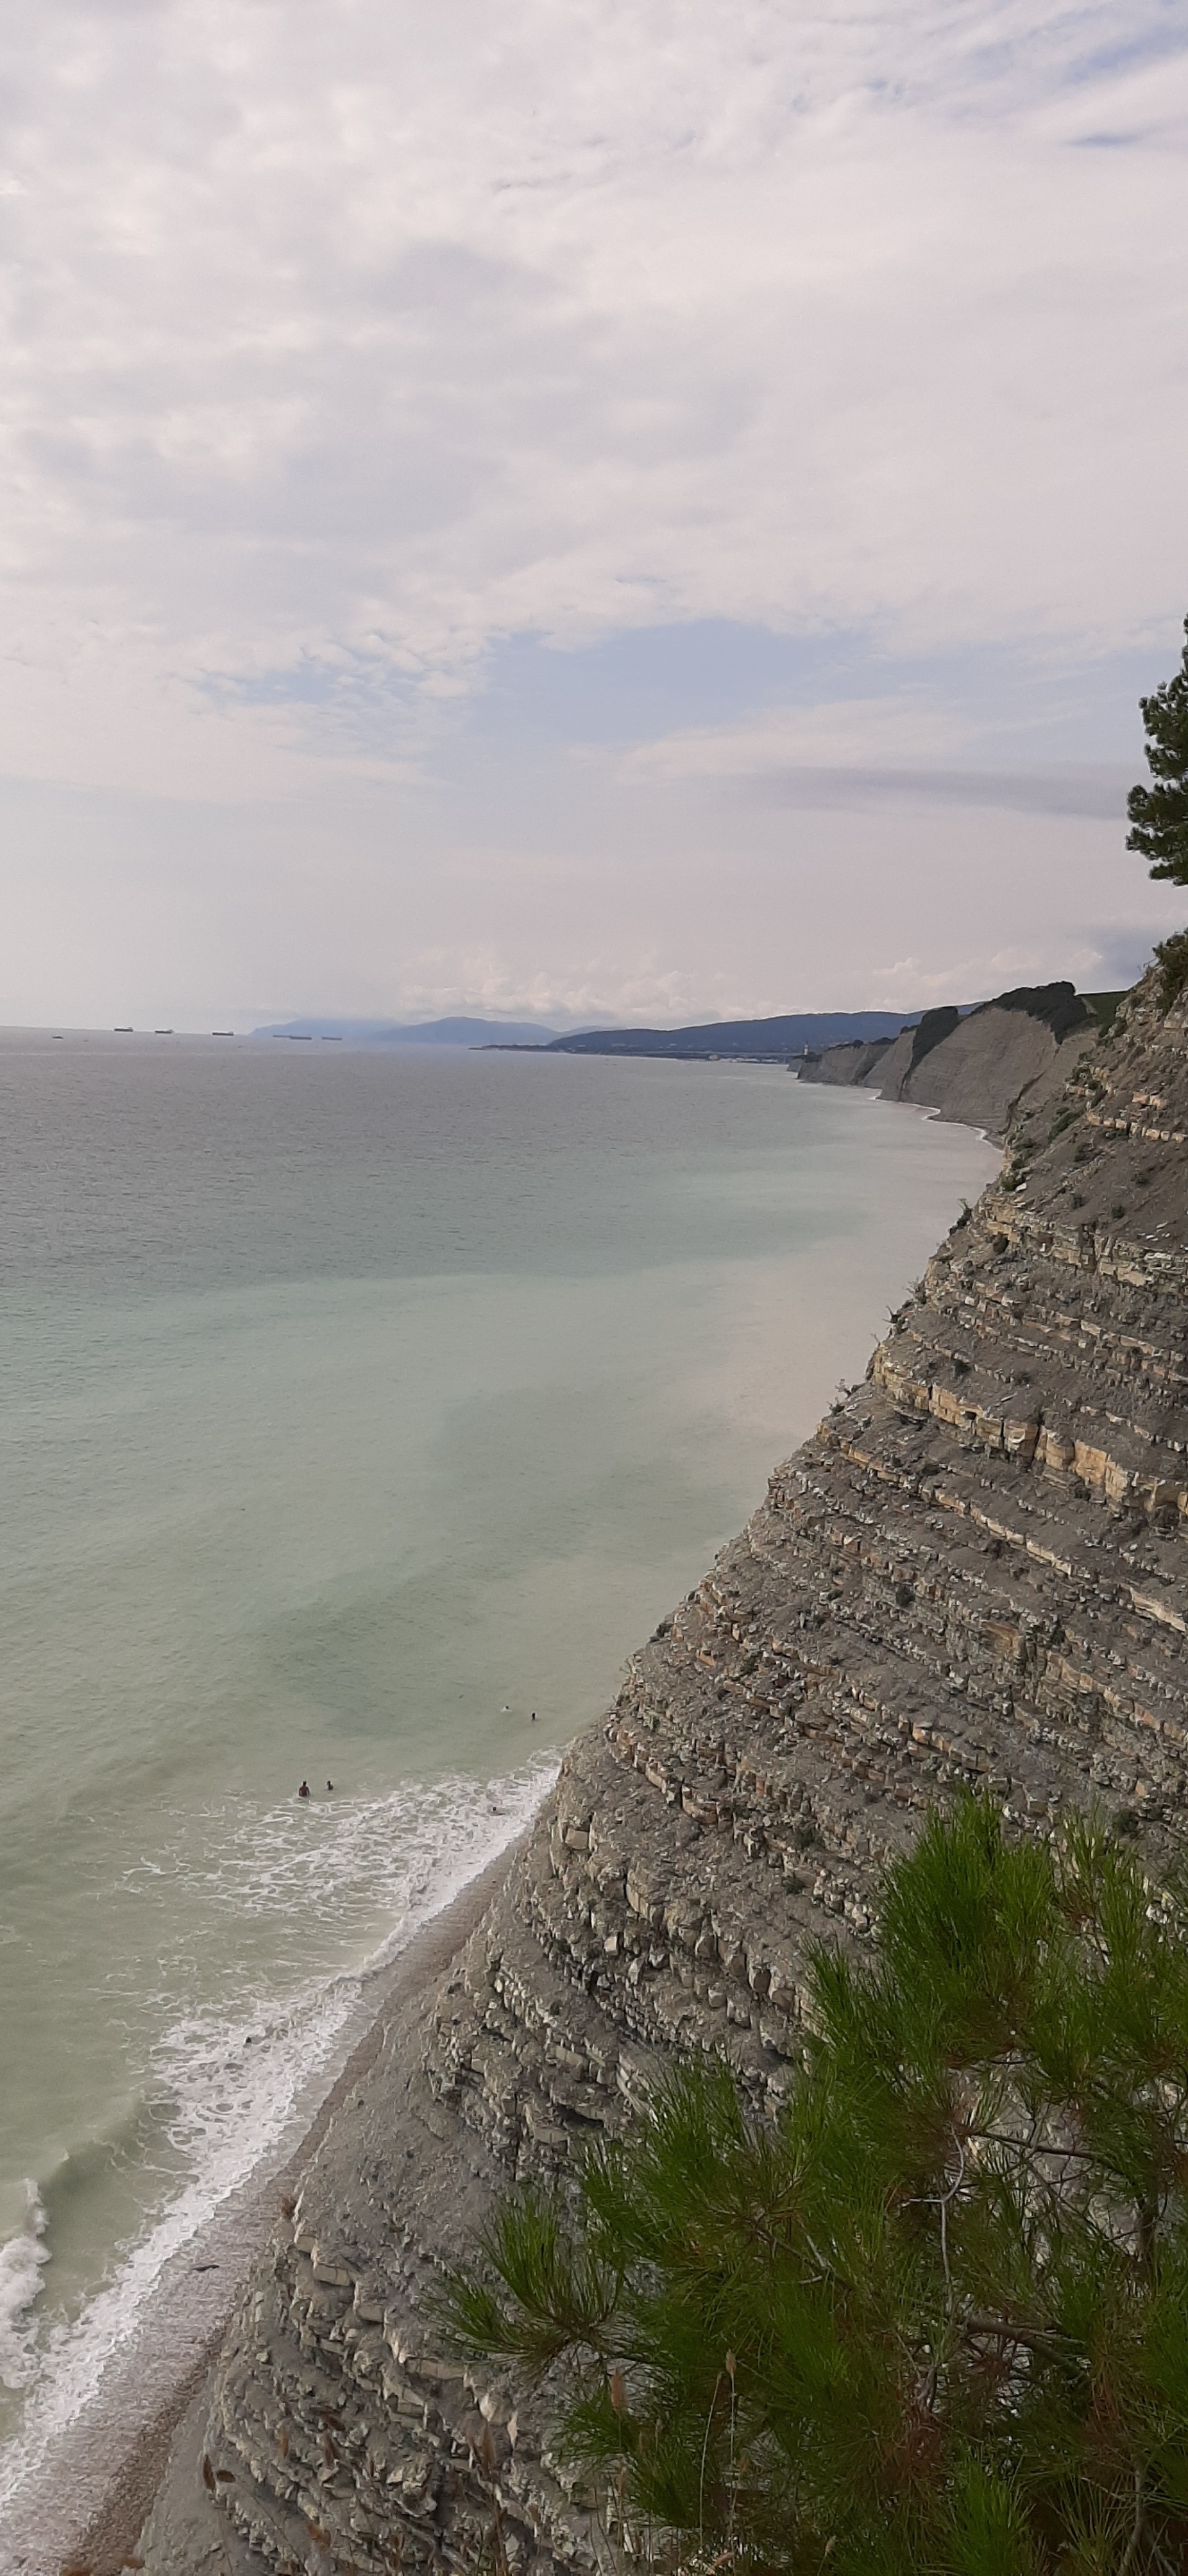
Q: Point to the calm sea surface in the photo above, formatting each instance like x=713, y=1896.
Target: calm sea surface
x=355, y=1407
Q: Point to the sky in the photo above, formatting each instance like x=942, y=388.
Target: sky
x=583, y=509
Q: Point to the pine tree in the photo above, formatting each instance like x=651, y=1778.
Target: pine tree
x=1159, y=813
x=933, y=2319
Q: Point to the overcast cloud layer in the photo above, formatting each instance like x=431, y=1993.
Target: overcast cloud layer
x=583, y=509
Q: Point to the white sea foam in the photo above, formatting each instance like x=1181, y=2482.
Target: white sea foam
x=21, y=2262
x=347, y=1420
x=239, y=2086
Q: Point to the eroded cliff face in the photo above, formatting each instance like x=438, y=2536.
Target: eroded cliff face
x=977, y=1069
x=975, y=1571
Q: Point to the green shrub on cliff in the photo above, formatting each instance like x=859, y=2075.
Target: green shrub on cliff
x=933, y=2321
x=1159, y=813
x=1171, y=957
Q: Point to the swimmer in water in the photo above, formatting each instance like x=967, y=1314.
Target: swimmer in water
x=303, y=1791
x=330, y=1786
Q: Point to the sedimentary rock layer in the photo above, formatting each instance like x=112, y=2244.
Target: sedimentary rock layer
x=974, y=1572
x=977, y=1069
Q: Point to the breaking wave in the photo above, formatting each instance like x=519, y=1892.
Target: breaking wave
x=234, y=2083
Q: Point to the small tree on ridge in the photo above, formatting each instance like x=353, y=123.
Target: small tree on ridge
x=1159, y=813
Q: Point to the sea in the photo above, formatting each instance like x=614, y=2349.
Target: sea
x=361, y=1410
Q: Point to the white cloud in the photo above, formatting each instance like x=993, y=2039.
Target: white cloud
x=865, y=750
x=345, y=325
x=342, y=338
x=844, y=733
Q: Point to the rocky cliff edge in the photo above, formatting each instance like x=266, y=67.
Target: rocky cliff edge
x=980, y=1068
x=975, y=1571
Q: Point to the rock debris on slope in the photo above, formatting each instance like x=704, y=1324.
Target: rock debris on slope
x=974, y=1572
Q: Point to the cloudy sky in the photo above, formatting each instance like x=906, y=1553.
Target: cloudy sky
x=603, y=508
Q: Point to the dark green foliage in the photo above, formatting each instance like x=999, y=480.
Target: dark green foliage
x=1171, y=956
x=1159, y=813
x=1059, y=1006
x=931, y=1030
x=934, y=2320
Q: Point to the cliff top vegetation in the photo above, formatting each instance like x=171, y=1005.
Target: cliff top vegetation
x=934, y=2317
x=1159, y=813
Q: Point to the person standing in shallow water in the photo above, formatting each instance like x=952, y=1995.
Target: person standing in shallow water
x=303, y=1791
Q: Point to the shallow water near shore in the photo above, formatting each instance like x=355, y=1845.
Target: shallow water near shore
x=357, y=1407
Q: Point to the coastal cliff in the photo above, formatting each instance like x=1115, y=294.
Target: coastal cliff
x=975, y=1571
x=978, y=1067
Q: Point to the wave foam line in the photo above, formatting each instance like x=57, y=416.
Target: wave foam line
x=245, y=2093
x=21, y=2262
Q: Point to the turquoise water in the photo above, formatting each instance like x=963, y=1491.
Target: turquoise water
x=356, y=1408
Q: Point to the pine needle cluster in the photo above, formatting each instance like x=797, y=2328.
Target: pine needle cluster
x=1159, y=813
x=933, y=2319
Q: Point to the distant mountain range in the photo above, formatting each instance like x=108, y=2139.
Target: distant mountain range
x=791, y=1034
x=371, y=1033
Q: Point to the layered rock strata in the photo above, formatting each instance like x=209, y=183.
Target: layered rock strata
x=975, y=1572
x=976, y=1070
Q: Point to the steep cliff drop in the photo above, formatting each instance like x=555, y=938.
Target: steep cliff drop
x=1013, y=1052
x=975, y=1571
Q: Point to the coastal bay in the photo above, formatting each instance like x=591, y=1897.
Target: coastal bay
x=968, y=1579
x=363, y=1409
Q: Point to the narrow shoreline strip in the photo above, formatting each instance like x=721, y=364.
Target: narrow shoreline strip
x=115, y=2459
